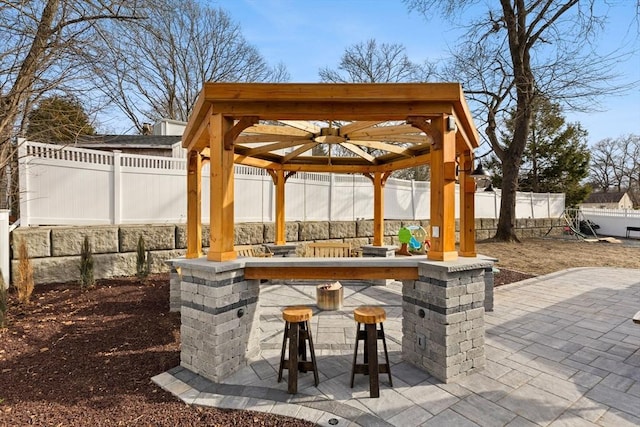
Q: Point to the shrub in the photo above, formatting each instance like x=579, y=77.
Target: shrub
x=86, y=265
x=24, y=282
x=142, y=261
x=3, y=303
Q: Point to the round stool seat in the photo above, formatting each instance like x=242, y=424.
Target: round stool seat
x=297, y=313
x=369, y=315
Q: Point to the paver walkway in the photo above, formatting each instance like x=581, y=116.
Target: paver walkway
x=562, y=350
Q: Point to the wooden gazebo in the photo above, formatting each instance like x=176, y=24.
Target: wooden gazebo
x=379, y=127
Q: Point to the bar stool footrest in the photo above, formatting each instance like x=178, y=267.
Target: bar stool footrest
x=303, y=366
x=362, y=335
x=383, y=368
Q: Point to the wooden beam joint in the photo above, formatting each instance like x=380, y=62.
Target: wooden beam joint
x=425, y=126
x=231, y=135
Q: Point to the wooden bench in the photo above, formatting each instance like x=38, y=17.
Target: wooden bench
x=252, y=251
x=630, y=229
x=328, y=250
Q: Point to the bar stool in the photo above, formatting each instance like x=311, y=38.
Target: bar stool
x=370, y=317
x=297, y=332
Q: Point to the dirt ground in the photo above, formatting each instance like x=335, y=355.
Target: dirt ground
x=85, y=358
x=546, y=255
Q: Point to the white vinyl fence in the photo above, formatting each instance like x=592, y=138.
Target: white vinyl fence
x=613, y=222
x=74, y=186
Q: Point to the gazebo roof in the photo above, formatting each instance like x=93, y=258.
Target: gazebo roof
x=372, y=129
x=378, y=127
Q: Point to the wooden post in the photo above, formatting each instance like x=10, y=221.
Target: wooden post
x=378, y=209
x=467, y=206
x=280, y=217
x=194, y=206
x=222, y=191
x=443, y=175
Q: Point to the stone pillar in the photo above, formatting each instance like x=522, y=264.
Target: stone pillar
x=175, y=300
x=219, y=315
x=488, y=289
x=443, y=319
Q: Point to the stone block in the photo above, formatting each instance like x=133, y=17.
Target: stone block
x=475, y=353
x=466, y=299
x=156, y=237
x=291, y=232
x=36, y=239
x=158, y=259
x=391, y=227
x=475, y=333
x=52, y=270
x=249, y=233
x=357, y=242
x=114, y=265
x=475, y=287
x=314, y=230
x=181, y=236
x=342, y=229
x=364, y=228
x=475, y=313
x=68, y=240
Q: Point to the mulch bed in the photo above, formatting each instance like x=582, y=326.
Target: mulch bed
x=85, y=358
x=504, y=277
x=74, y=358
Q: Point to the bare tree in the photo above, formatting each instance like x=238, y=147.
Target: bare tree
x=368, y=62
x=156, y=70
x=615, y=166
x=45, y=47
x=516, y=52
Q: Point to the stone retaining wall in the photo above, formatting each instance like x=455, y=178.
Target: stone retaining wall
x=55, y=251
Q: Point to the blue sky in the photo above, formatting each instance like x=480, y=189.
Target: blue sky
x=306, y=35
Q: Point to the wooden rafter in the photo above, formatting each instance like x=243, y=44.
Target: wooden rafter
x=382, y=131
x=356, y=126
x=384, y=146
x=258, y=138
x=302, y=149
x=278, y=130
x=270, y=147
x=300, y=124
x=359, y=151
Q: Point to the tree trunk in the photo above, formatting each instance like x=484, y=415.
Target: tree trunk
x=506, y=230
x=515, y=20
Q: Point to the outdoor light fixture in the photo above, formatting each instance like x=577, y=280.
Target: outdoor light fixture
x=489, y=188
x=451, y=124
x=480, y=173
